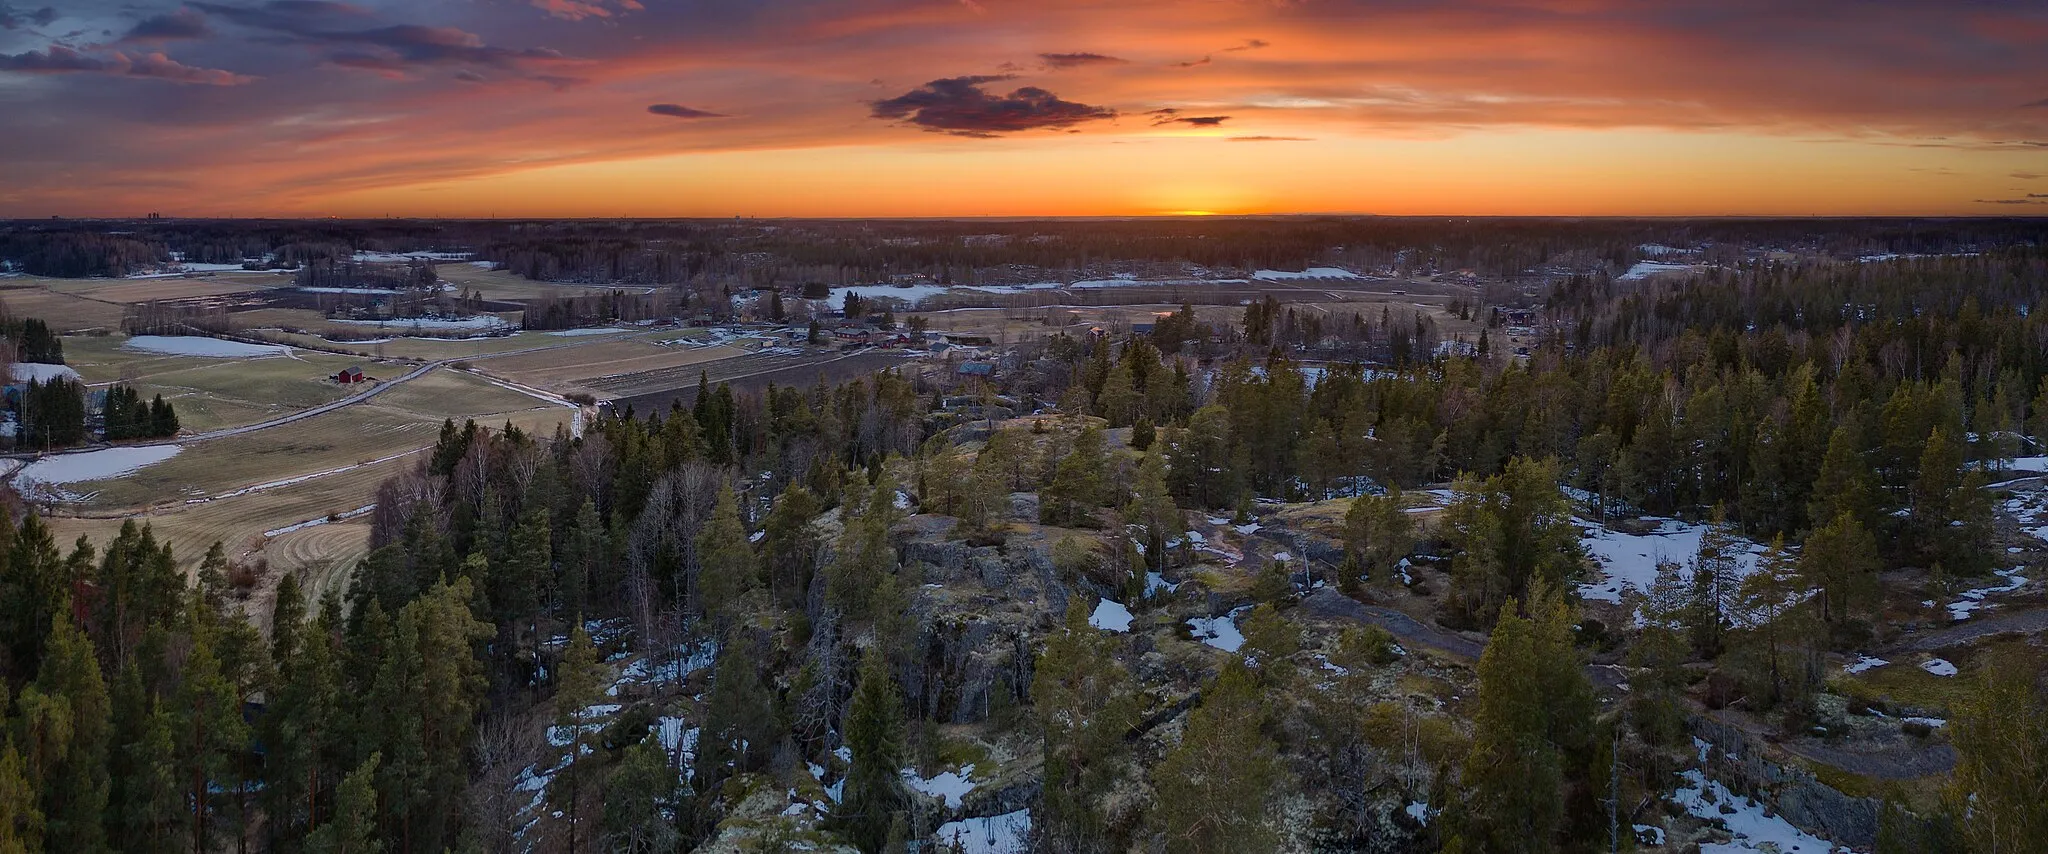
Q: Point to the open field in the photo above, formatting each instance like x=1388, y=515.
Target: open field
x=756, y=371
x=501, y=285
x=144, y=290
x=64, y=313
x=607, y=366
x=450, y=394
x=212, y=393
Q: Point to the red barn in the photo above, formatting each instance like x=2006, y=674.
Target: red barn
x=351, y=374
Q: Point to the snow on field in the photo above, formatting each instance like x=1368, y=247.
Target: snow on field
x=180, y=269
x=365, y=257
x=1864, y=662
x=200, y=345
x=912, y=295
x=1930, y=723
x=365, y=291
x=1630, y=560
x=1938, y=667
x=1220, y=632
x=93, y=465
x=1646, y=269
x=1310, y=273
x=950, y=786
x=1961, y=609
x=25, y=371
x=1009, y=833
x=1111, y=616
x=1156, y=584
x=313, y=523
x=572, y=333
x=479, y=323
x=1752, y=828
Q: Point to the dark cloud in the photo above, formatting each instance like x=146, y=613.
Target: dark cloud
x=2029, y=176
x=180, y=25
x=1078, y=60
x=959, y=106
x=12, y=19
x=2029, y=200
x=1249, y=44
x=154, y=66
x=2041, y=103
x=1271, y=139
x=681, y=112
x=394, y=49
x=1170, y=116
x=1193, y=63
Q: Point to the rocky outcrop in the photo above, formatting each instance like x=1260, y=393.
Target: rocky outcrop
x=1741, y=764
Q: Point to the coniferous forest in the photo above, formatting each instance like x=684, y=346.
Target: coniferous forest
x=1295, y=581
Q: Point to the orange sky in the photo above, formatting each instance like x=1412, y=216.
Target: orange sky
x=1055, y=107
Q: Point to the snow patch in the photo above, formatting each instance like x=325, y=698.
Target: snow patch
x=1938, y=667
x=1009, y=833
x=1864, y=662
x=199, y=345
x=573, y=333
x=26, y=371
x=92, y=465
x=1220, y=632
x=1110, y=616
x=950, y=786
x=1753, y=831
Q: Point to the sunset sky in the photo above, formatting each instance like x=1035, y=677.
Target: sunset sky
x=1022, y=107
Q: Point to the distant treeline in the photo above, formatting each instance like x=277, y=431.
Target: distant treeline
x=607, y=307
x=749, y=253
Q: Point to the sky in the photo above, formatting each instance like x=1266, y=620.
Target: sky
x=878, y=108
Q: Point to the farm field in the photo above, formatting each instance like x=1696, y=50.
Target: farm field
x=590, y=366
x=64, y=312
x=211, y=393
x=450, y=394
x=144, y=290
x=501, y=285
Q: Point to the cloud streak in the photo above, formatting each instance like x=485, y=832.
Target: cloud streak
x=679, y=111
x=150, y=66
x=1062, y=61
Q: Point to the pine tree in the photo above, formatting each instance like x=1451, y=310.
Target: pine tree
x=789, y=548
x=73, y=779
x=740, y=724
x=1086, y=703
x=636, y=795
x=302, y=726
x=212, y=736
x=1845, y=483
x=2001, y=739
x=1841, y=561
x=21, y=822
x=1378, y=533
x=354, y=828
x=1152, y=508
x=1077, y=488
x=1781, y=645
x=579, y=683
x=729, y=571
x=874, y=790
x=1513, y=777
x=1216, y=788
x=1716, y=574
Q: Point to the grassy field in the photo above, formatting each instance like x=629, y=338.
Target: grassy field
x=64, y=313
x=500, y=285
x=213, y=393
x=448, y=394
x=566, y=369
x=144, y=290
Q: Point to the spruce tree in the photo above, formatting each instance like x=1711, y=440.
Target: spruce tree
x=579, y=682
x=1086, y=703
x=728, y=570
x=73, y=781
x=353, y=829
x=1217, y=787
x=874, y=790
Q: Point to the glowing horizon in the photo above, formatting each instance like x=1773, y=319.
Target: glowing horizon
x=971, y=108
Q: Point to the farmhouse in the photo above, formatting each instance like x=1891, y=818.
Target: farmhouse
x=350, y=374
x=852, y=334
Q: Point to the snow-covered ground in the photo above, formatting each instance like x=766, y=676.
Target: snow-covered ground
x=574, y=333
x=365, y=257
x=1961, y=609
x=1220, y=632
x=1646, y=269
x=1938, y=667
x=1009, y=833
x=1111, y=616
x=1749, y=823
x=1864, y=662
x=25, y=371
x=479, y=323
x=950, y=786
x=364, y=291
x=200, y=345
x=1310, y=273
x=1630, y=560
x=89, y=466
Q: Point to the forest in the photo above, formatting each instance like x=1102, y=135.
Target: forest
x=835, y=582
